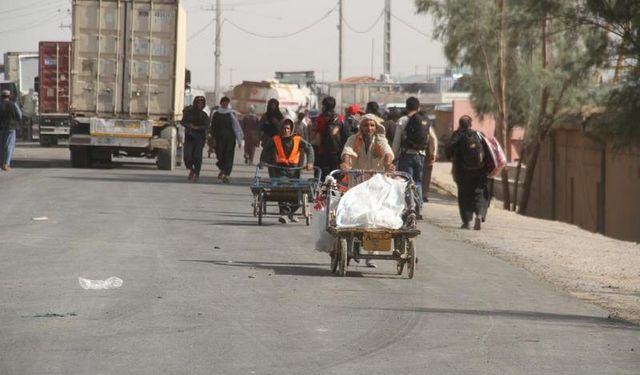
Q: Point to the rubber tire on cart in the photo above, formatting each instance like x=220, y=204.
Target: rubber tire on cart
x=166, y=159
x=411, y=260
x=305, y=208
x=400, y=266
x=80, y=157
x=335, y=256
x=260, y=207
x=255, y=205
x=342, y=261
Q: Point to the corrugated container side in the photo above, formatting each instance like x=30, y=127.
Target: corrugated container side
x=128, y=59
x=54, y=69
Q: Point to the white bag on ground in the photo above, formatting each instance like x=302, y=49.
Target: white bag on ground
x=375, y=203
x=322, y=240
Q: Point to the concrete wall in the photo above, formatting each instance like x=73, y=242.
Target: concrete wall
x=578, y=183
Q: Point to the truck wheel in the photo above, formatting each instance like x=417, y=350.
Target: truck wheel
x=44, y=141
x=166, y=158
x=79, y=156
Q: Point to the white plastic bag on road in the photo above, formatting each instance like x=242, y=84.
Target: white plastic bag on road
x=110, y=283
x=375, y=203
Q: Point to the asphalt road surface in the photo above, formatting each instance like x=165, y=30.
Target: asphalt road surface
x=208, y=291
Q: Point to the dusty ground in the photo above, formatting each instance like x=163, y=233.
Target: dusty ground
x=595, y=268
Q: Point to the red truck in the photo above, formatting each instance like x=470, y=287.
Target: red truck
x=53, y=93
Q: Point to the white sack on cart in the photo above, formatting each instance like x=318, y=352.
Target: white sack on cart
x=375, y=203
x=322, y=239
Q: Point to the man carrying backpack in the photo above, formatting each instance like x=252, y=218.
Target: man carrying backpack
x=410, y=143
x=466, y=149
x=329, y=137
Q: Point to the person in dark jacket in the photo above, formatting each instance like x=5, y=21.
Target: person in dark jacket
x=285, y=150
x=226, y=133
x=329, y=137
x=195, y=121
x=467, y=152
x=270, y=120
x=10, y=116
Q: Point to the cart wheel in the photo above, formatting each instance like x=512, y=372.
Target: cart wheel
x=335, y=257
x=411, y=252
x=255, y=205
x=305, y=204
x=260, y=208
x=400, y=267
x=342, y=261
x=308, y=220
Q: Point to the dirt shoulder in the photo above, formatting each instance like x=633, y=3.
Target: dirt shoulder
x=592, y=267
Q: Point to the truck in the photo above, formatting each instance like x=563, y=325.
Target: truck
x=127, y=80
x=291, y=97
x=54, y=69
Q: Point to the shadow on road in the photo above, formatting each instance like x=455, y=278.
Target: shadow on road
x=290, y=269
x=39, y=163
x=611, y=323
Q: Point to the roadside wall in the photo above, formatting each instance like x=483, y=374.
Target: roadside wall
x=568, y=184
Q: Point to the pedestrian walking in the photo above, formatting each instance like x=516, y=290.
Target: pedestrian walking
x=410, y=142
x=429, y=161
x=195, y=121
x=270, y=121
x=352, y=120
x=302, y=125
x=329, y=137
x=10, y=116
x=391, y=122
x=284, y=150
x=467, y=151
x=251, y=131
x=226, y=133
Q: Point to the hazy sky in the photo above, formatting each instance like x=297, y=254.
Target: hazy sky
x=251, y=57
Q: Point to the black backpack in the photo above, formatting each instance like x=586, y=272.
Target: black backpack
x=472, y=150
x=416, y=132
x=333, y=143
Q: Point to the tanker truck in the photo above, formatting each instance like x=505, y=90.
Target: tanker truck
x=127, y=80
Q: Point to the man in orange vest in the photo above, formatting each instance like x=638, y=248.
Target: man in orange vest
x=284, y=150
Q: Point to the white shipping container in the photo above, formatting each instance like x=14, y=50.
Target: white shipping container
x=128, y=59
x=21, y=68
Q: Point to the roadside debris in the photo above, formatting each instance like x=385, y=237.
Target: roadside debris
x=110, y=283
x=40, y=218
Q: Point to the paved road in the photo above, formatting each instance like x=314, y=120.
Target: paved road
x=207, y=291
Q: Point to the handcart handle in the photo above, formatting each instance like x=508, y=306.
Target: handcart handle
x=359, y=172
x=259, y=166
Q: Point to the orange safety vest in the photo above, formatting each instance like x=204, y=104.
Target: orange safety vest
x=294, y=157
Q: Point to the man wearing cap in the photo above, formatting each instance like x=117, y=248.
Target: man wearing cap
x=10, y=116
x=369, y=148
x=351, y=120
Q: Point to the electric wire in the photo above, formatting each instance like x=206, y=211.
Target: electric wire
x=201, y=30
x=30, y=7
x=366, y=30
x=327, y=14
x=39, y=23
x=411, y=26
x=31, y=12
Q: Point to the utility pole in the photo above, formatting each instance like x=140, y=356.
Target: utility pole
x=387, y=38
x=218, y=52
x=373, y=45
x=340, y=42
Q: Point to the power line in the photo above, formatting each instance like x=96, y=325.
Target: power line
x=411, y=26
x=30, y=12
x=366, y=30
x=205, y=27
x=38, y=23
x=282, y=35
x=29, y=7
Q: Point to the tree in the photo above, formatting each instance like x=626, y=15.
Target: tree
x=543, y=60
x=470, y=38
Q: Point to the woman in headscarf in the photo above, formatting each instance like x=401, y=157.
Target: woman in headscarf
x=195, y=121
x=270, y=120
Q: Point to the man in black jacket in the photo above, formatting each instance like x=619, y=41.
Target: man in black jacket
x=466, y=149
x=10, y=116
x=195, y=121
x=226, y=133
